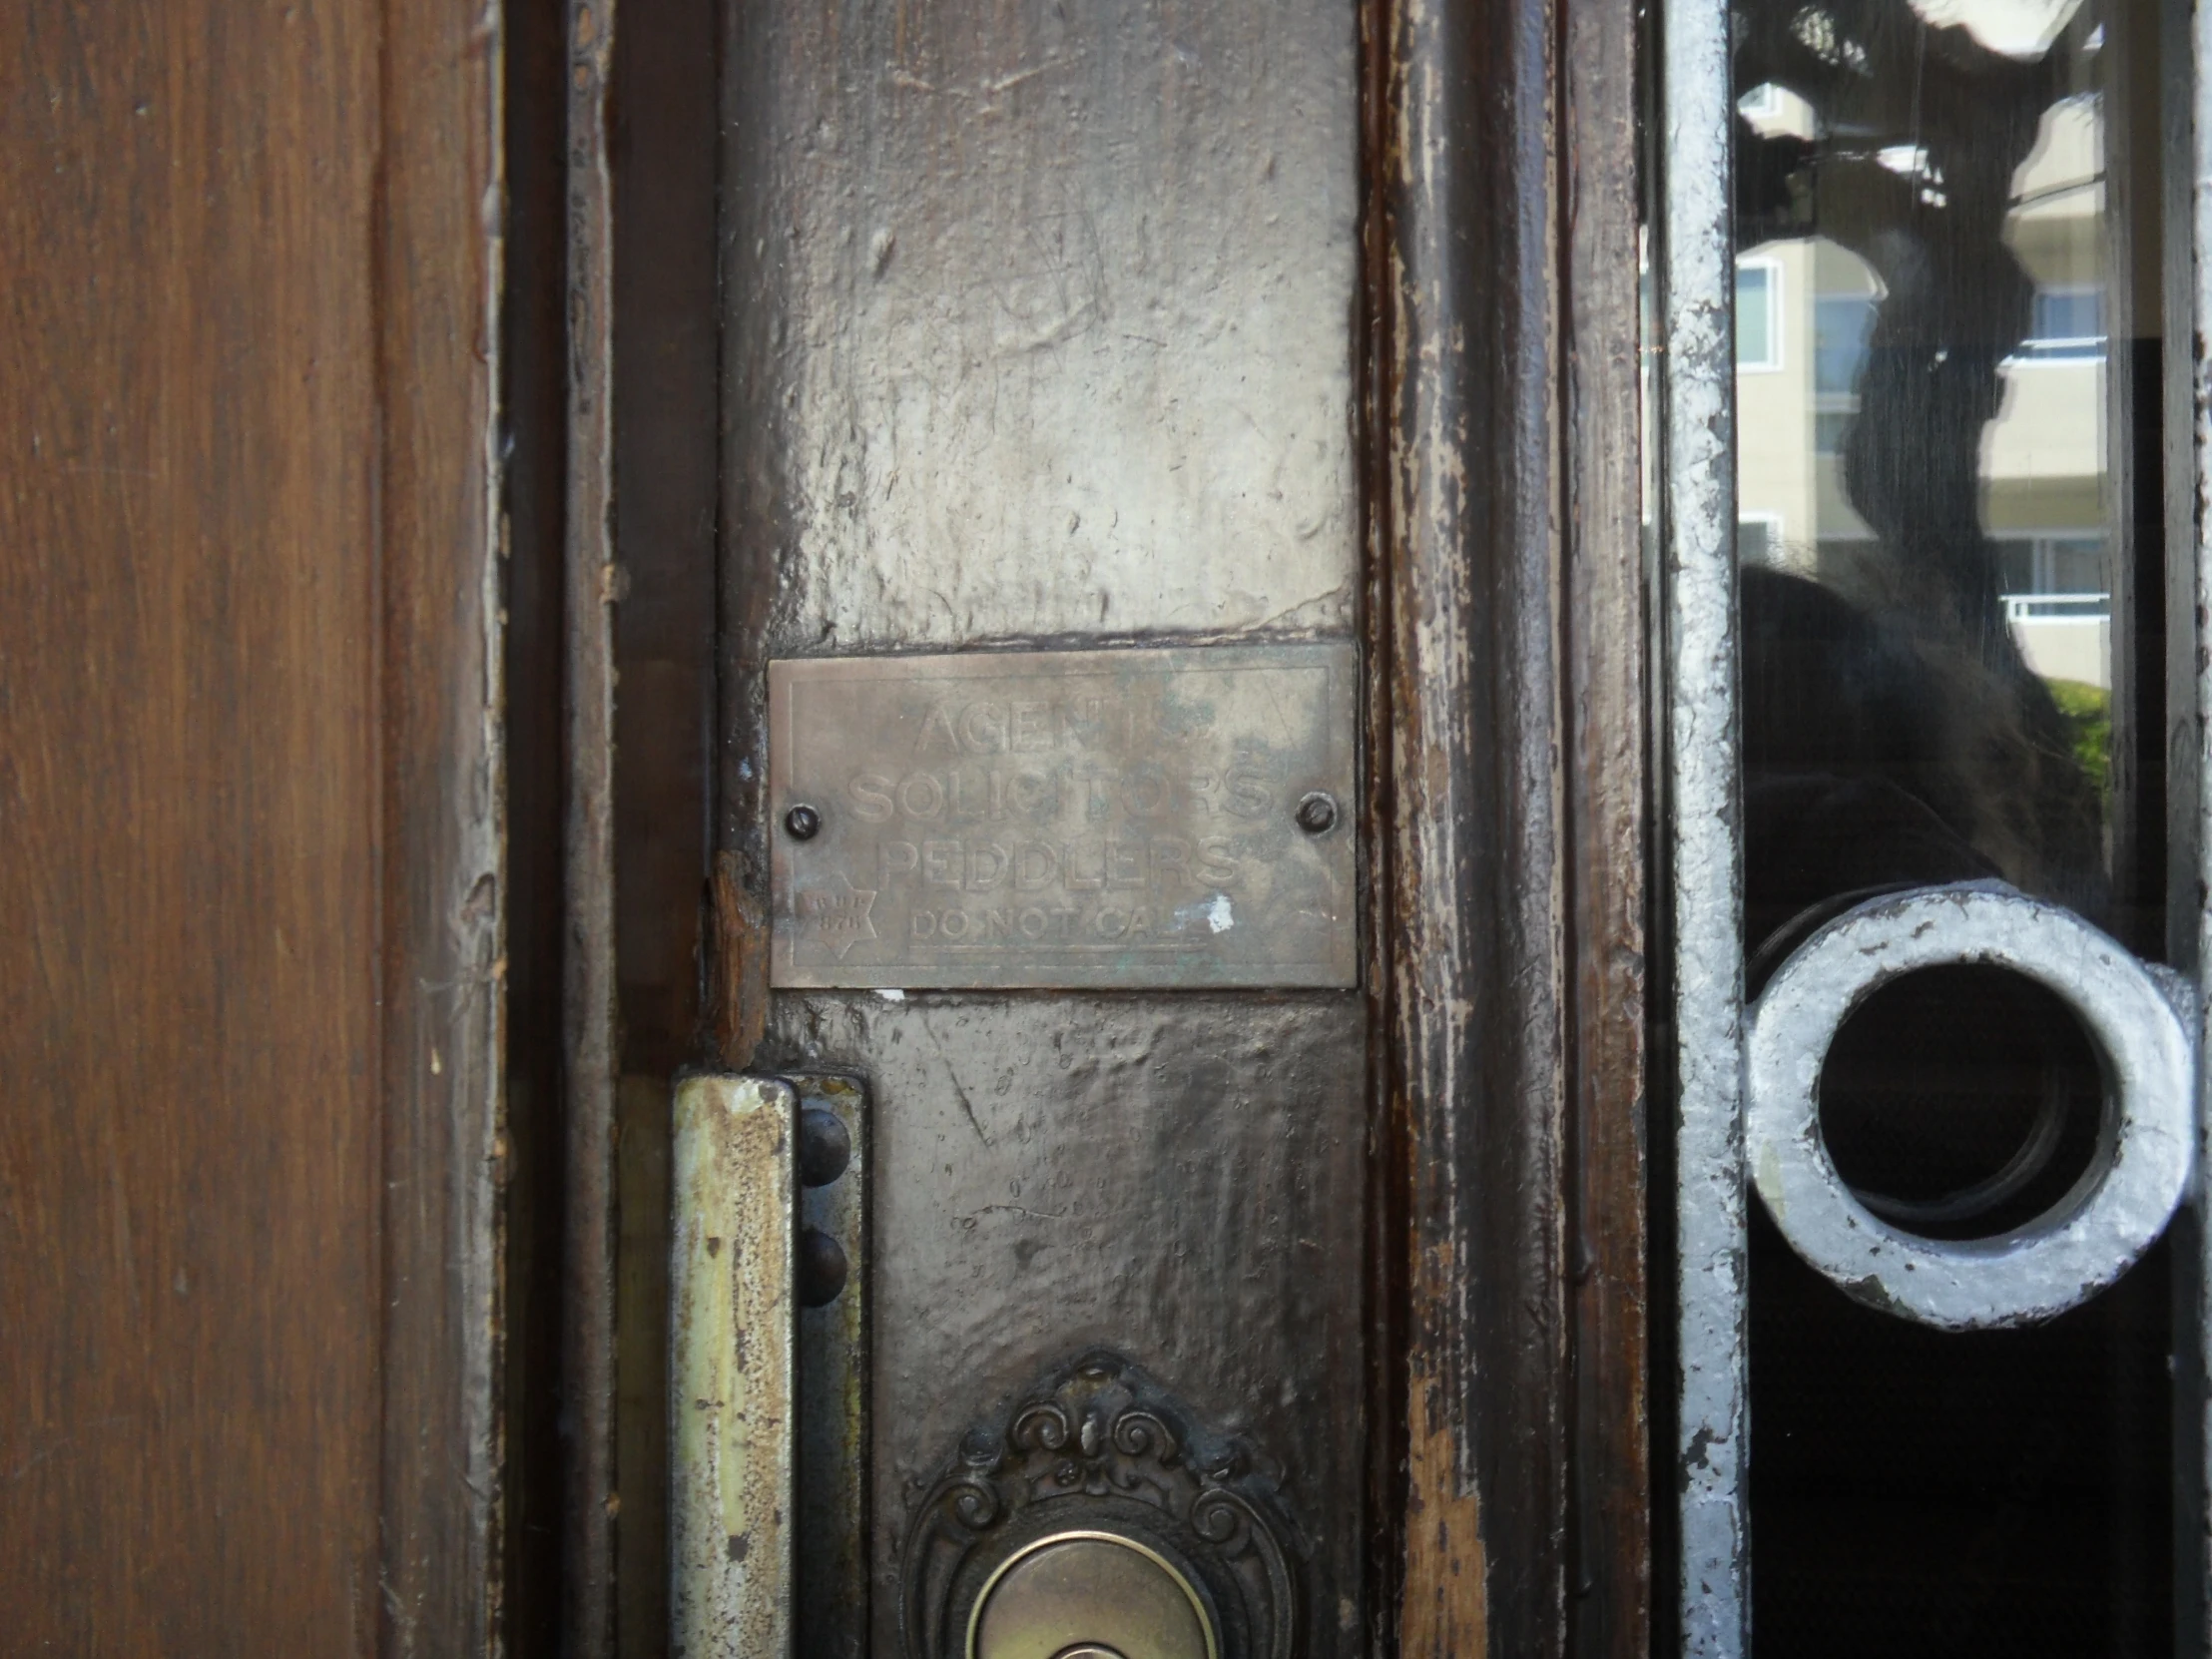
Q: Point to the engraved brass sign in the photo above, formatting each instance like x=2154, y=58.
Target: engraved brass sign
x=1065, y=818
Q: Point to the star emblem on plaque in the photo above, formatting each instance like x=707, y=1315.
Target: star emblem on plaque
x=836, y=919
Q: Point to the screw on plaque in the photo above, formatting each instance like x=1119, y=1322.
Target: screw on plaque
x=803, y=823
x=1317, y=814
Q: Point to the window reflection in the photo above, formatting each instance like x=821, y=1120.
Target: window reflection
x=1935, y=333
x=1923, y=401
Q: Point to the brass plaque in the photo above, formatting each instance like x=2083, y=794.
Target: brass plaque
x=1065, y=818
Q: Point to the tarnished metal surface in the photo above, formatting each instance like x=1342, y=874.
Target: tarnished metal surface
x=1115, y=1595
x=732, y=1353
x=1040, y=327
x=833, y=1398
x=2094, y=1233
x=1697, y=473
x=1097, y=1449
x=1140, y=818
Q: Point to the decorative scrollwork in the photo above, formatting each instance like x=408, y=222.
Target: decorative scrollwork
x=976, y=1503
x=1098, y=1445
x=1040, y=1428
x=1218, y=1517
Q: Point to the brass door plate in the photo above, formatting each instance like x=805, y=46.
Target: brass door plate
x=1080, y=1594
x=1172, y=819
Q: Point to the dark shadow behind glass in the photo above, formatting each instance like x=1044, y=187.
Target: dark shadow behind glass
x=1935, y=437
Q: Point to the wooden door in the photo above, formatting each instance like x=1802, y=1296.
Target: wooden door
x=1029, y=335
x=427, y=425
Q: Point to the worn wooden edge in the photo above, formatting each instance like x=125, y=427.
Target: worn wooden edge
x=437, y=261
x=1471, y=393
x=590, y=1044
x=1389, y=1135
x=755, y=514
x=1605, y=633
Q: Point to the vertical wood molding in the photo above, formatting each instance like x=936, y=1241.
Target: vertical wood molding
x=1606, y=630
x=438, y=278
x=592, y=1497
x=1511, y=595
x=1470, y=406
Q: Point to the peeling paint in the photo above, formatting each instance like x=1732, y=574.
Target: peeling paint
x=1698, y=478
x=2052, y=1263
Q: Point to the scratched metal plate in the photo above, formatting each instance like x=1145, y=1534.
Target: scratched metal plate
x=1065, y=818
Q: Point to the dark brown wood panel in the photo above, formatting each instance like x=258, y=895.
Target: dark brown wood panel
x=590, y=1040
x=252, y=967
x=1604, y=632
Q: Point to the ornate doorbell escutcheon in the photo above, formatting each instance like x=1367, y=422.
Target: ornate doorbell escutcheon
x=1099, y=1519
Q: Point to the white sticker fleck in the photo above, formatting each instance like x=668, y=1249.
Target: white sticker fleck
x=1216, y=912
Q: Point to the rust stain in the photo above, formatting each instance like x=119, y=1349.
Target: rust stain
x=736, y=1004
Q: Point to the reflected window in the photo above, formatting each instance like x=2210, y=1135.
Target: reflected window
x=2069, y=325
x=1758, y=540
x=1840, y=326
x=1758, y=314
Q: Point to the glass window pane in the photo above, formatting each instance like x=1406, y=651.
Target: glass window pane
x=1935, y=332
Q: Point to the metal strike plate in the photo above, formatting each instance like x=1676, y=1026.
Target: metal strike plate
x=768, y=1370
x=832, y=1385
x=732, y=1366
x=1169, y=819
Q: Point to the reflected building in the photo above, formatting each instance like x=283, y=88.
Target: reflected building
x=1804, y=312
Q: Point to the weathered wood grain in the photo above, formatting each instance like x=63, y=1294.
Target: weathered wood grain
x=590, y=1033
x=1606, y=632
x=438, y=275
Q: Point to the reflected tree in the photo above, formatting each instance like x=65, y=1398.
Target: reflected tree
x=1942, y=753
